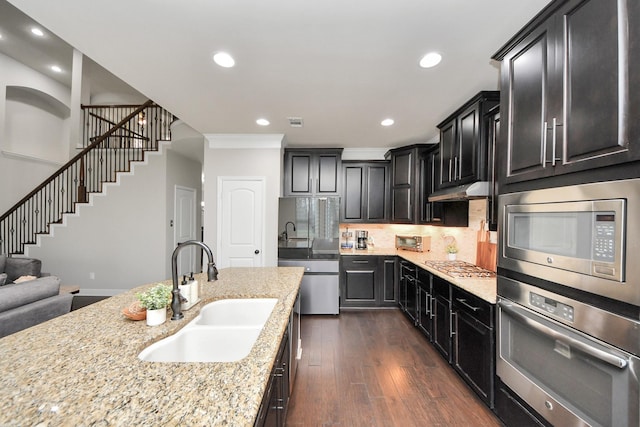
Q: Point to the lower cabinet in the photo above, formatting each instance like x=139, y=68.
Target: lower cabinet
x=473, y=346
x=441, y=337
x=273, y=409
x=367, y=281
x=408, y=289
x=459, y=324
x=424, y=303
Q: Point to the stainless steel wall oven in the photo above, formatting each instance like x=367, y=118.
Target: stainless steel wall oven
x=568, y=315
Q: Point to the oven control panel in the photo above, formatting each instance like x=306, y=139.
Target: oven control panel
x=552, y=306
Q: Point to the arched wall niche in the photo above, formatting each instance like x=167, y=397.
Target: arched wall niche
x=36, y=124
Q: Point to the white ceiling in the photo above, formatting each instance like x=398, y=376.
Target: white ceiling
x=342, y=66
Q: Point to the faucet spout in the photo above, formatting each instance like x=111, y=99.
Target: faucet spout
x=212, y=274
x=286, y=235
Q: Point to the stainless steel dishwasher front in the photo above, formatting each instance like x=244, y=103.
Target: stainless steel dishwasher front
x=320, y=287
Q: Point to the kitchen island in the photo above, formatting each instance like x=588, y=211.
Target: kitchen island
x=82, y=368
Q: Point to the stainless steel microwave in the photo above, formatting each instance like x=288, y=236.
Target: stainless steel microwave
x=577, y=236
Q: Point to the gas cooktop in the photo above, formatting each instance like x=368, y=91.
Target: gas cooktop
x=460, y=269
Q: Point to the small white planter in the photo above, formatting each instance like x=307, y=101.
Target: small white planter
x=451, y=257
x=156, y=317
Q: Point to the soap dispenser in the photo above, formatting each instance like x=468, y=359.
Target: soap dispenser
x=195, y=289
x=186, y=301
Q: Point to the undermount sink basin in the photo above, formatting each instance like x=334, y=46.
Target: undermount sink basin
x=236, y=312
x=224, y=331
x=203, y=344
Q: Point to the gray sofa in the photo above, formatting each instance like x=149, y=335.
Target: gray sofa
x=28, y=303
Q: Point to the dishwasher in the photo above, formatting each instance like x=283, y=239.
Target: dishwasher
x=320, y=287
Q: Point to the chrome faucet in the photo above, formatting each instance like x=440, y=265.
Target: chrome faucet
x=212, y=274
x=285, y=234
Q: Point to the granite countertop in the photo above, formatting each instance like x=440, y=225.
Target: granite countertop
x=82, y=368
x=485, y=288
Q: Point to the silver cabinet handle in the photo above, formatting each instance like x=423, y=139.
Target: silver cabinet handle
x=553, y=142
x=544, y=144
x=602, y=355
x=466, y=304
x=357, y=261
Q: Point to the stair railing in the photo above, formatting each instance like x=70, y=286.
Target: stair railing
x=124, y=140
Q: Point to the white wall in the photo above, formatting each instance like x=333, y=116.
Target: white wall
x=244, y=155
x=118, y=239
x=186, y=173
x=25, y=161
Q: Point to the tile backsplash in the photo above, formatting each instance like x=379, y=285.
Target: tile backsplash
x=465, y=237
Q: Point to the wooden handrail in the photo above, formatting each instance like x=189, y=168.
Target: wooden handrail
x=76, y=158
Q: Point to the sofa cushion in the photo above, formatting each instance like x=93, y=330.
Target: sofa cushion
x=17, y=294
x=3, y=279
x=32, y=314
x=3, y=260
x=16, y=267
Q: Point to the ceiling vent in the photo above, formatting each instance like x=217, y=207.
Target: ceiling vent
x=295, y=122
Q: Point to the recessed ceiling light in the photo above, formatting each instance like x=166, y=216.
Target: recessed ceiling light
x=37, y=31
x=387, y=122
x=430, y=60
x=263, y=122
x=0, y=36
x=223, y=59
x=56, y=68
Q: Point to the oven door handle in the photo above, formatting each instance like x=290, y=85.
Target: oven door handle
x=602, y=355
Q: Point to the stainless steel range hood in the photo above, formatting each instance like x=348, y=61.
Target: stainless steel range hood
x=475, y=190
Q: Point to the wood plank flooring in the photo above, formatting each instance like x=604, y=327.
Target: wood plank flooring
x=373, y=368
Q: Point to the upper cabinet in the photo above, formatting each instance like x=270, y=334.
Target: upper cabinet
x=571, y=90
x=407, y=189
x=463, y=143
x=312, y=172
x=365, y=193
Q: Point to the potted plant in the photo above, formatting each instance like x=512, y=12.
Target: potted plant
x=451, y=250
x=156, y=300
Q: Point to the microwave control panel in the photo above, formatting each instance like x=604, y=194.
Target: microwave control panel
x=604, y=242
x=552, y=306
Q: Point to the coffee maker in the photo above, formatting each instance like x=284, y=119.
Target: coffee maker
x=361, y=239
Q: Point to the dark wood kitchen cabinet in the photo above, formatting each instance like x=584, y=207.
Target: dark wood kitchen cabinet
x=473, y=342
x=273, y=409
x=441, y=326
x=407, y=190
x=367, y=281
x=365, y=192
x=424, y=319
x=312, y=172
x=408, y=293
x=463, y=143
x=493, y=133
x=571, y=91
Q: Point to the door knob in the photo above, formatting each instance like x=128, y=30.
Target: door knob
x=257, y=251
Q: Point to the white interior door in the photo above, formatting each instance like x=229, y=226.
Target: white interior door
x=241, y=224
x=185, y=227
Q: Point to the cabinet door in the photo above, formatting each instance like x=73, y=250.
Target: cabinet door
x=358, y=281
x=596, y=63
x=376, y=201
x=448, y=154
x=352, y=195
x=465, y=166
x=327, y=174
x=472, y=353
x=432, y=212
x=441, y=334
x=388, y=285
x=298, y=171
x=424, y=304
x=526, y=88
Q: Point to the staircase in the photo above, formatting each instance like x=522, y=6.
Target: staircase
x=114, y=137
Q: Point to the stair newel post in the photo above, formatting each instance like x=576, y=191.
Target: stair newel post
x=82, y=189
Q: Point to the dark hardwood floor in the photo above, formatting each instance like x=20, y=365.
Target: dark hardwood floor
x=373, y=368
